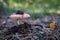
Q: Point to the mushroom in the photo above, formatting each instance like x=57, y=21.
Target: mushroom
x=19, y=15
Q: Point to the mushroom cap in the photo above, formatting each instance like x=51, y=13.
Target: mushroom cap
x=26, y=16
x=13, y=16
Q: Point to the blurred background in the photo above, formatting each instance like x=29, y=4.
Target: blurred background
x=47, y=13
x=33, y=7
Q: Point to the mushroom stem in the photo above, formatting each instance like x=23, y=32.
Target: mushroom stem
x=19, y=21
